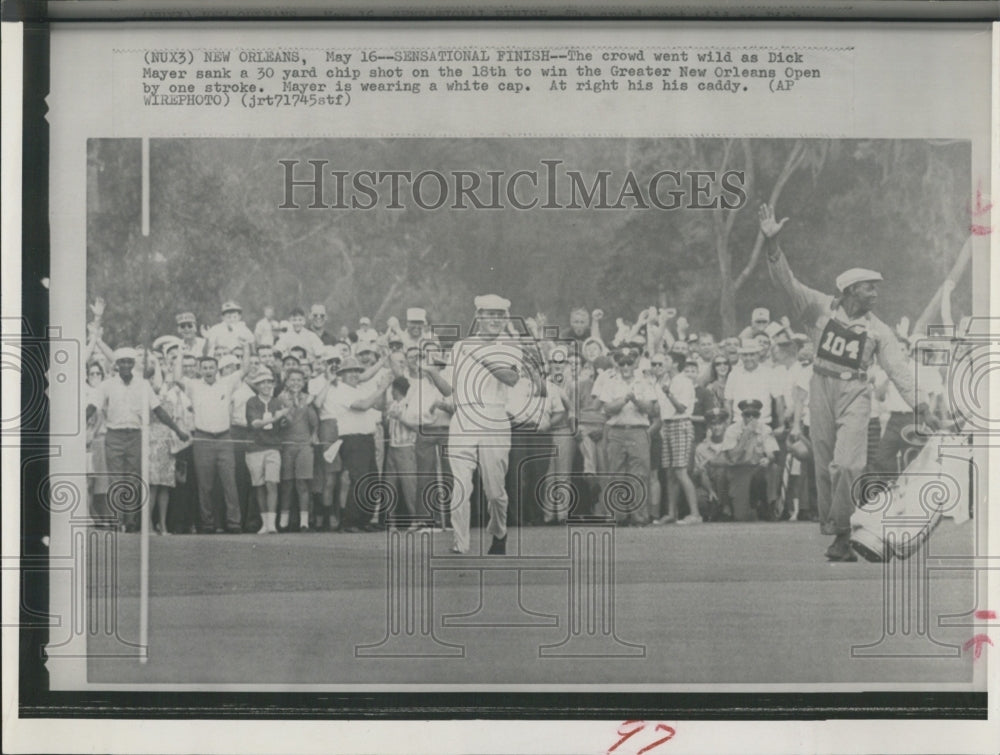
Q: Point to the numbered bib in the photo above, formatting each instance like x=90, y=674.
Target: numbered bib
x=841, y=345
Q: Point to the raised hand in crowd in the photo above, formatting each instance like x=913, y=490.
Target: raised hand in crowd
x=97, y=308
x=768, y=225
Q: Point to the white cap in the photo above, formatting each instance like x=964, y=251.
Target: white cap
x=492, y=301
x=166, y=343
x=774, y=329
x=856, y=275
x=365, y=321
x=416, y=314
x=317, y=309
x=124, y=352
x=749, y=346
x=761, y=313
x=226, y=360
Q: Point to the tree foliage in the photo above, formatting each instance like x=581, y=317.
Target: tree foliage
x=217, y=232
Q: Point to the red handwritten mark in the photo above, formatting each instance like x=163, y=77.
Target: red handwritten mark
x=978, y=641
x=628, y=729
x=985, y=615
x=980, y=209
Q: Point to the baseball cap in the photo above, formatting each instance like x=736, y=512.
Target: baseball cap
x=231, y=306
x=416, y=314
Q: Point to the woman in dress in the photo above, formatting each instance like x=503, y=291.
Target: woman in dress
x=717, y=385
x=97, y=469
x=163, y=442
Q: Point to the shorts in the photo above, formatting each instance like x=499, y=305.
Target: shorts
x=264, y=466
x=678, y=436
x=297, y=461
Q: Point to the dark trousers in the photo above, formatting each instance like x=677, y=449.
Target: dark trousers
x=123, y=455
x=432, y=499
x=248, y=502
x=358, y=456
x=530, y=455
x=183, y=512
x=214, y=456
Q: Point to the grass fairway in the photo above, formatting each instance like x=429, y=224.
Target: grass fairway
x=711, y=604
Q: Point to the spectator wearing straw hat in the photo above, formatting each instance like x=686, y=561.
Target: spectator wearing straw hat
x=349, y=405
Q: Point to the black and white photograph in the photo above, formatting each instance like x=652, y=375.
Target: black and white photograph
x=619, y=387
x=529, y=411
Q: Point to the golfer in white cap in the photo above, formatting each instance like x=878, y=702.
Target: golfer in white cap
x=848, y=338
x=479, y=434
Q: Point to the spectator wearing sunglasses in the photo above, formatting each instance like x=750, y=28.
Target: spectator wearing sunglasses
x=187, y=329
x=626, y=398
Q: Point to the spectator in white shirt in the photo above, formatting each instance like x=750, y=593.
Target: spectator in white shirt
x=626, y=400
x=229, y=333
x=211, y=398
x=300, y=337
x=749, y=380
x=123, y=399
x=675, y=399
x=263, y=331
x=350, y=406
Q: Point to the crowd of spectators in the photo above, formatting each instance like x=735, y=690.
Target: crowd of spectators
x=288, y=425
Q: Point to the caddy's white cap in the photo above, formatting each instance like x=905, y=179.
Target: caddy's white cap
x=416, y=314
x=125, y=352
x=856, y=275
